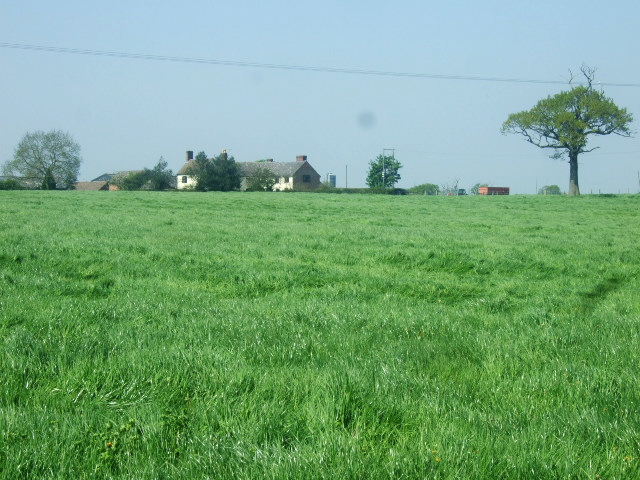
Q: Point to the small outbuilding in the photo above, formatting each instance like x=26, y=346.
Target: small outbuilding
x=493, y=191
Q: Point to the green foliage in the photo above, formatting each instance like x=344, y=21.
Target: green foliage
x=158, y=178
x=11, y=184
x=425, y=189
x=318, y=336
x=550, y=190
x=383, y=172
x=130, y=180
x=201, y=157
x=475, y=190
x=48, y=158
x=48, y=182
x=564, y=122
x=261, y=180
x=218, y=174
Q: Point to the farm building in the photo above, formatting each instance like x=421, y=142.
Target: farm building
x=493, y=191
x=104, y=181
x=298, y=175
x=93, y=185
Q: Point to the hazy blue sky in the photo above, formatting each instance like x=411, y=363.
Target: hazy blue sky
x=127, y=113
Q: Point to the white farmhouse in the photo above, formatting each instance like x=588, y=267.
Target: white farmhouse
x=298, y=175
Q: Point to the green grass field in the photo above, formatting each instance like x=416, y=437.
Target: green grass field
x=249, y=335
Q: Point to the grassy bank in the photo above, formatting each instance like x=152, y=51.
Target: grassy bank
x=159, y=335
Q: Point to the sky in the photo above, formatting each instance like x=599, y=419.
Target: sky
x=127, y=113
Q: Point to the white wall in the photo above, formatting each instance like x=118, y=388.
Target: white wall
x=191, y=182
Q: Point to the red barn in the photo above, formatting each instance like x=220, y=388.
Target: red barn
x=493, y=190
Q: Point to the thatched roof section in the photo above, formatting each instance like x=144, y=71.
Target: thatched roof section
x=187, y=168
x=278, y=169
x=92, y=185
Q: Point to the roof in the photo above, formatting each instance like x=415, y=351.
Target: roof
x=186, y=168
x=105, y=177
x=90, y=185
x=279, y=169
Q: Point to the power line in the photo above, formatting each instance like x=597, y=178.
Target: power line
x=276, y=66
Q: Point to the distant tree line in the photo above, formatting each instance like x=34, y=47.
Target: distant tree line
x=425, y=189
x=550, y=190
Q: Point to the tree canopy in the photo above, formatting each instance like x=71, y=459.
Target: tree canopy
x=425, y=189
x=383, y=172
x=261, y=180
x=50, y=159
x=550, y=190
x=565, y=121
x=218, y=174
x=157, y=178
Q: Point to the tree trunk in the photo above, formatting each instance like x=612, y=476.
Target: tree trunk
x=574, y=188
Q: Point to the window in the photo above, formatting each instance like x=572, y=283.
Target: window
x=306, y=178
x=285, y=179
x=184, y=179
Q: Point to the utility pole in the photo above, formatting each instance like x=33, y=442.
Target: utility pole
x=346, y=168
x=384, y=165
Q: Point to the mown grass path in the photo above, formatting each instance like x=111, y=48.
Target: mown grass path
x=248, y=335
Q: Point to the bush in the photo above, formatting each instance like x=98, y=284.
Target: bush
x=11, y=184
x=157, y=178
x=550, y=190
x=261, y=180
x=425, y=189
x=218, y=174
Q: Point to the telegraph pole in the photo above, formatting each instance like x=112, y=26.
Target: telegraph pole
x=384, y=165
x=346, y=184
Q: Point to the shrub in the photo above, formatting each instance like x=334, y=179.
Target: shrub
x=11, y=184
x=425, y=189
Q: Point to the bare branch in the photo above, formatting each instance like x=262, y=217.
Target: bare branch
x=589, y=74
x=590, y=150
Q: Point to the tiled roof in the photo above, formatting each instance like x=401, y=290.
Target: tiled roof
x=279, y=169
x=90, y=185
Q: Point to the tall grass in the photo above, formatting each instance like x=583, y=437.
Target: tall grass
x=253, y=335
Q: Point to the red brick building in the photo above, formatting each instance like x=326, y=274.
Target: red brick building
x=493, y=191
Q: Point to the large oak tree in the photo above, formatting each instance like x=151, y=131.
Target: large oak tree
x=565, y=121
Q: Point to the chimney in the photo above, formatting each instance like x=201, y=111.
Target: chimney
x=301, y=158
x=189, y=155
